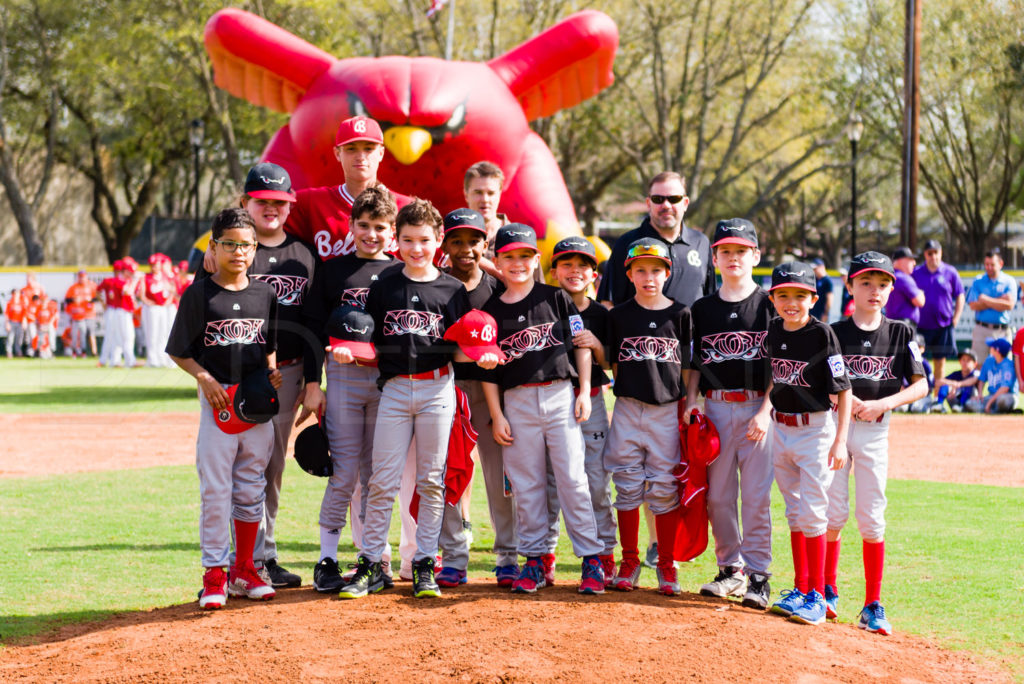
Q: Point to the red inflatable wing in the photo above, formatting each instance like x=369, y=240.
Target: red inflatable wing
x=260, y=62
x=563, y=66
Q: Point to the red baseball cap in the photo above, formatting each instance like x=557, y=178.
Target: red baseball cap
x=250, y=402
x=476, y=333
x=359, y=128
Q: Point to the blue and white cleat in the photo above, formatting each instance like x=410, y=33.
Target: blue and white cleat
x=812, y=612
x=831, y=602
x=789, y=601
x=872, y=618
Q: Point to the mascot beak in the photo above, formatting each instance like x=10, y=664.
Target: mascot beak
x=407, y=143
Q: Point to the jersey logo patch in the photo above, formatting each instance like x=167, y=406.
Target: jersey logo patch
x=915, y=351
x=534, y=338
x=408, y=322
x=521, y=319
x=236, y=307
x=415, y=299
x=872, y=368
x=733, y=315
x=289, y=289
x=789, y=372
x=867, y=343
x=356, y=296
x=693, y=258
x=836, y=365
x=733, y=346
x=652, y=325
x=272, y=260
x=657, y=349
x=234, y=331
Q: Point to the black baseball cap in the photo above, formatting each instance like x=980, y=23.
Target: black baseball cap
x=250, y=402
x=794, y=274
x=871, y=261
x=648, y=248
x=515, y=236
x=269, y=181
x=464, y=218
x=931, y=244
x=352, y=328
x=735, y=231
x=312, y=451
x=902, y=253
x=575, y=244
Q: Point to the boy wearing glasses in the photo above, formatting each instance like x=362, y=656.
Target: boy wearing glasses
x=224, y=332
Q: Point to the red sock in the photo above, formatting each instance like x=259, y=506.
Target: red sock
x=796, y=541
x=667, y=524
x=832, y=561
x=245, y=540
x=874, y=561
x=816, y=562
x=629, y=533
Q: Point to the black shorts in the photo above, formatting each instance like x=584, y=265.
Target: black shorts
x=939, y=343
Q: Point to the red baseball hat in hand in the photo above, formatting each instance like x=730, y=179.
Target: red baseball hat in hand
x=476, y=333
x=250, y=402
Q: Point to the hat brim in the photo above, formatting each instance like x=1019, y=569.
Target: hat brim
x=802, y=286
x=476, y=352
x=227, y=420
x=359, y=138
x=272, y=195
x=862, y=271
x=736, y=241
x=664, y=260
x=466, y=226
x=361, y=351
x=569, y=252
x=516, y=245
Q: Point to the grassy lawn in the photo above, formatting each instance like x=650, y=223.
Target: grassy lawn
x=100, y=543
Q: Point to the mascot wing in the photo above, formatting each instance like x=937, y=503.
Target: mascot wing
x=563, y=66
x=260, y=62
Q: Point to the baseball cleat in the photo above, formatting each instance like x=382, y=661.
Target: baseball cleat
x=279, y=577
x=812, y=611
x=531, y=577
x=831, y=602
x=326, y=577
x=608, y=566
x=506, y=574
x=789, y=601
x=548, y=561
x=367, y=580
x=668, y=583
x=245, y=581
x=728, y=582
x=385, y=574
x=215, y=589
x=423, y=584
x=628, y=578
x=758, y=591
x=651, y=557
x=872, y=619
x=451, y=577
x=592, y=579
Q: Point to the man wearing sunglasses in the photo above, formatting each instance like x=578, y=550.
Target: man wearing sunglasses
x=692, y=275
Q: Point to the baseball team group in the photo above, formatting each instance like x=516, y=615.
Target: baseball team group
x=436, y=333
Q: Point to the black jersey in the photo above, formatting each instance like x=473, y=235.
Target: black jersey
x=879, y=361
x=229, y=333
x=534, y=334
x=728, y=342
x=595, y=319
x=478, y=296
x=651, y=347
x=410, y=319
x=807, y=366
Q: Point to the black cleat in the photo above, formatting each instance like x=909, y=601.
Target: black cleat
x=423, y=584
x=367, y=580
x=279, y=577
x=326, y=578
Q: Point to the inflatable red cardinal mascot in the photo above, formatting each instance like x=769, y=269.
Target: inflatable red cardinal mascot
x=439, y=117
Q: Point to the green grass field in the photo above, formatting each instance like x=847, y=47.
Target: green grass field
x=84, y=546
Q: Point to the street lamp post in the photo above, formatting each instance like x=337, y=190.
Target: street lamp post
x=195, y=136
x=853, y=131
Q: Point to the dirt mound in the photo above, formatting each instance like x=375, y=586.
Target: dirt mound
x=478, y=634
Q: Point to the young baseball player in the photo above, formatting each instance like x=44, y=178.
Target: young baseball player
x=352, y=393
x=997, y=380
x=573, y=263
x=465, y=241
x=729, y=328
x=809, y=439
x=224, y=332
x=14, y=313
x=649, y=349
x=960, y=386
x=411, y=309
x=539, y=421
x=78, y=300
x=880, y=355
x=118, y=332
x=157, y=295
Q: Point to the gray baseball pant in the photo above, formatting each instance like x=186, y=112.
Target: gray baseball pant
x=743, y=472
x=868, y=447
x=642, y=450
x=1003, y=404
x=16, y=340
x=543, y=426
x=424, y=408
x=595, y=435
x=231, y=481
x=800, y=455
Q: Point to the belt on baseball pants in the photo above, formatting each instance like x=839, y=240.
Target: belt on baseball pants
x=594, y=391
x=289, y=362
x=539, y=384
x=791, y=419
x=429, y=375
x=993, y=326
x=733, y=395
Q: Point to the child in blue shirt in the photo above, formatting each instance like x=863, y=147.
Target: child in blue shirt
x=997, y=373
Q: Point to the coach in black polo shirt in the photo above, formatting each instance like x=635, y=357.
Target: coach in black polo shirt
x=693, y=274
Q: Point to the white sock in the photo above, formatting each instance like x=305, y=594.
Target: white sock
x=329, y=543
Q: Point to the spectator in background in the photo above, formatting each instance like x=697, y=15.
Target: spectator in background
x=823, y=306
x=78, y=302
x=14, y=312
x=1018, y=356
x=906, y=299
x=846, y=304
x=943, y=304
x=999, y=378
x=960, y=386
x=925, y=403
x=992, y=296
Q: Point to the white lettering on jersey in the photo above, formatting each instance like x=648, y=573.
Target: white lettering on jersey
x=289, y=289
x=356, y=296
x=733, y=346
x=408, y=322
x=234, y=331
x=657, y=349
x=534, y=338
x=789, y=372
x=873, y=368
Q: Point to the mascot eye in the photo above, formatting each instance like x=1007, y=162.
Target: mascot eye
x=457, y=119
x=356, y=106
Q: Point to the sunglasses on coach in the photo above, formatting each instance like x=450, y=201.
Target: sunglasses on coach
x=661, y=199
